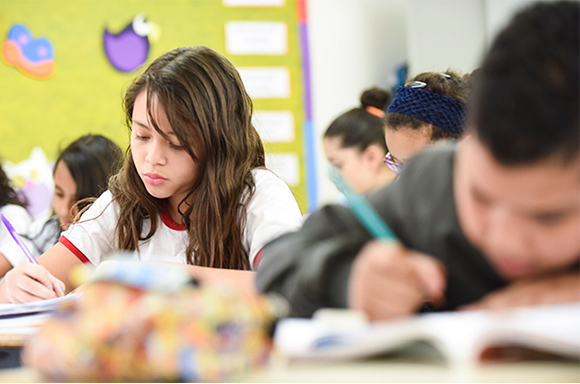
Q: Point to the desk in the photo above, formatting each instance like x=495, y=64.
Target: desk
x=406, y=370
x=401, y=371
x=10, y=346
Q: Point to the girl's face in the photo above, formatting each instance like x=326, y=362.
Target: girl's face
x=359, y=169
x=165, y=167
x=65, y=194
x=404, y=143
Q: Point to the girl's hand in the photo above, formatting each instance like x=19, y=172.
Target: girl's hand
x=389, y=280
x=30, y=282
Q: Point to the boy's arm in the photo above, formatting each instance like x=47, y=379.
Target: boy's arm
x=311, y=267
x=552, y=289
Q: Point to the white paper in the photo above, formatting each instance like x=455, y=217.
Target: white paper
x=266, y=82
x=275, y=126
x=256, y=37
x=254, y=3
x=40, y=306
x=285, y=165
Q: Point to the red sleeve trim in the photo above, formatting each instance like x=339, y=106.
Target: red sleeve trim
x=257, y=259
x=71, y=247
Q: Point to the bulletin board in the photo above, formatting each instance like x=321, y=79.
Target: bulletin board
x=66, y=64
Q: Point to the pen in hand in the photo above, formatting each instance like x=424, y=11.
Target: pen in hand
x=363, y=210
x=18, y=240
x=23, y=247
x=431, y=272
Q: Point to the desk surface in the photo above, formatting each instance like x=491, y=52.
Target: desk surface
x=391, y=370
x=405, y=370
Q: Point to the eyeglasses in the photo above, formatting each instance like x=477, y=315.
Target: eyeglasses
x=392, y=164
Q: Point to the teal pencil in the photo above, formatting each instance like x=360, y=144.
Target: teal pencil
x=366, y=214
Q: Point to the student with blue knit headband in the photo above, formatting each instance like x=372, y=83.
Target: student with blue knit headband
x=429, y=108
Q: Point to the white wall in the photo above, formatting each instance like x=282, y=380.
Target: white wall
x=354, y=45
x=445, y=34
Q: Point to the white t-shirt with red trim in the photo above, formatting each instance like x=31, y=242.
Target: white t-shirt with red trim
x=271, y=212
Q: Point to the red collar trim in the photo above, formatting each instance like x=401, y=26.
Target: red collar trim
x=168, y=221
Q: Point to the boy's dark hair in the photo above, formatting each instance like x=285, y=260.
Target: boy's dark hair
x=358, y=128
x=525, y=105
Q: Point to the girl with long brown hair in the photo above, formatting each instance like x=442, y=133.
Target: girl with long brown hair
x=194, y=188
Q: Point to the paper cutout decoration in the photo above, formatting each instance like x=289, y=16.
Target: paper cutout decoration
x=128, y=50
x=33, y=180
x=34, y=57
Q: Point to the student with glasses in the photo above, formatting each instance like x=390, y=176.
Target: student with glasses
x=429, y=108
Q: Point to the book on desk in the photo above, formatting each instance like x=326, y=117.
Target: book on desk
x=469, y=337
x=17, y=321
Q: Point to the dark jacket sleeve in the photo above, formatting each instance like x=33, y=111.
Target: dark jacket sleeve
x=310, y=268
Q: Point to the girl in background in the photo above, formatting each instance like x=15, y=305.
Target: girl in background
x=355, y=144
x=429, y=108
x=82, y=171
x=194, y=189
x=15, y=211
x=374, y=101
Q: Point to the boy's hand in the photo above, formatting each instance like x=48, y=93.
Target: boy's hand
x=553, y=289
x=30, y=282
x=389, y=280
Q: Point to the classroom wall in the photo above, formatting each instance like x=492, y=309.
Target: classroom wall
x=62, y=73
x=445, y=34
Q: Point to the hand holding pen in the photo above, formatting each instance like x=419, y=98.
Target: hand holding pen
x=387, y=279
x=21, y=275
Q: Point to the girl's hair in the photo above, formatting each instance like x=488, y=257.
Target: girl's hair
x=91, y=160
x=375, y=97
x=449, y=84
x=210, y=112
x=358, y=128
x=7, y=193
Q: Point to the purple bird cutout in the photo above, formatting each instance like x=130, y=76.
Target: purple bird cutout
x=127, y=50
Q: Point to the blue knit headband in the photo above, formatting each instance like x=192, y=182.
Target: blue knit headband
x=433, y=108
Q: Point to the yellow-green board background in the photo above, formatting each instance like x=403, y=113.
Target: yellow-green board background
x=85, y=93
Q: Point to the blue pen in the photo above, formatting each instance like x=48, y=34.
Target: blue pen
x=18, y=240
x=363, y=210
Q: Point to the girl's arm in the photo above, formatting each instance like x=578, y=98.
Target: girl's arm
x=243, y=281
x=5, y=265
x=49, y=279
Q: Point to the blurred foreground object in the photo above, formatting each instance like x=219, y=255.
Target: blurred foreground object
x=125, y=330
